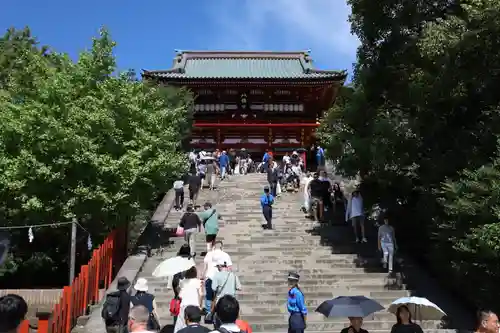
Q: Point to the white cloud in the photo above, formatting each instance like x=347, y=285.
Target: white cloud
x=299, y=24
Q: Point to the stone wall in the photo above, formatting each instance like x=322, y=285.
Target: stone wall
x=37, y=299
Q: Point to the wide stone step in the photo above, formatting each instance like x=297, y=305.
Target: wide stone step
x=261, y=323
x=335, y=275
x=278, y=305
x=330, y=263
x=316, y=321
x=246, y=297
x=339, y=289
x=315, y=297
x=308, y=280
x=306, y=267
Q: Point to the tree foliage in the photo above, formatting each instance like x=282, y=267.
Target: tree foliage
x=77, y=141
x=421, y=127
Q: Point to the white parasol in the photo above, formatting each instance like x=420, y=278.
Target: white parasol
x=172, y=266
x=420, y=308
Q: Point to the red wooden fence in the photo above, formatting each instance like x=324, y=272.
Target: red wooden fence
x=84, y=291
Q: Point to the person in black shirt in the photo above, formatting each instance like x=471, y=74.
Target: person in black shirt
x=191, y=223
x=326, y=190
x=194, y=187
x=192, y=317
x=339, y=202
x=272, y=177
x=316, y=189
x=405, y=324
x=117, y=323
x=355, y=327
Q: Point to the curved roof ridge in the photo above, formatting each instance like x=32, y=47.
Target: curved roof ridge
x=235, y=52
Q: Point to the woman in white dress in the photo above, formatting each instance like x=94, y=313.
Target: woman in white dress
x=237, y=166
x=190, y=293
x=307, y=196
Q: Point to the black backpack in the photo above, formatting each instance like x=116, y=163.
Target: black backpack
x=111, y=309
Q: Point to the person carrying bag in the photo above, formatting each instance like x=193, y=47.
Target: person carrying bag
x=221, y=290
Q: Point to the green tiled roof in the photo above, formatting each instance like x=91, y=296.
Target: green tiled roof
x=244, y=65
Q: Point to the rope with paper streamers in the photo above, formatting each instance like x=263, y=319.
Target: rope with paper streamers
x=31, y=235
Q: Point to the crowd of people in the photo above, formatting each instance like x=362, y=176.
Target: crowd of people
x=136, y=314
x=210, y=294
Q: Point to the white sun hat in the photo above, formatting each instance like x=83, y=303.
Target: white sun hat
x=141, y=285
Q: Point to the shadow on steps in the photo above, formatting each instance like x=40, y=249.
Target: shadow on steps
x=407, y=275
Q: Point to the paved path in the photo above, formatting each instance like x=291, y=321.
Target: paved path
x=329, y=263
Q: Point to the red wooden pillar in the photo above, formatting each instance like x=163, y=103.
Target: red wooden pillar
x=68, y=306
x=43, y=321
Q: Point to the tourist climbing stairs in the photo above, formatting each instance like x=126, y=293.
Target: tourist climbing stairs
x=328, y=261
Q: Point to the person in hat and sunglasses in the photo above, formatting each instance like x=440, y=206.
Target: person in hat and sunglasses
x=296, y=305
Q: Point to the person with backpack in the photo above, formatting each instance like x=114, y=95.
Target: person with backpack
x=267, y=201
x=227, y=311
x=210, y=269
x=116, y=307
x=225, y=282
x=142, y=297
x=210, y=219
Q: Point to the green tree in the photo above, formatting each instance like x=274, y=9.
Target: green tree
x=78, y=141
x=424, y=111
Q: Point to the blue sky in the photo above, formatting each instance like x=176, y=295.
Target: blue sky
x=148, y=32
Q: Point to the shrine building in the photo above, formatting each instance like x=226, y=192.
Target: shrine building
x=252, y=100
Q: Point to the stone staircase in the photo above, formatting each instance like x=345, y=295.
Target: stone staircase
x=328, y=262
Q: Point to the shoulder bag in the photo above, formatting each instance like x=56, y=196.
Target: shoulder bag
x=210, y=316
x=208, y=218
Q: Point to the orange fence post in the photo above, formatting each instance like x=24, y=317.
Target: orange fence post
x=43, y=321
x=83, y=291
x=24, y=327
x=67, y=306
x=85, y=275
x=92, y=277
x=110, y=255
x=97, y=273
x=75, y=304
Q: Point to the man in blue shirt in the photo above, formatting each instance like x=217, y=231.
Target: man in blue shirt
x=267, y=201
x=223, y=163
x=320, y=154
x=265, y=160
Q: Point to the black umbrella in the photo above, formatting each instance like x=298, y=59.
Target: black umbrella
x=349, y=306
